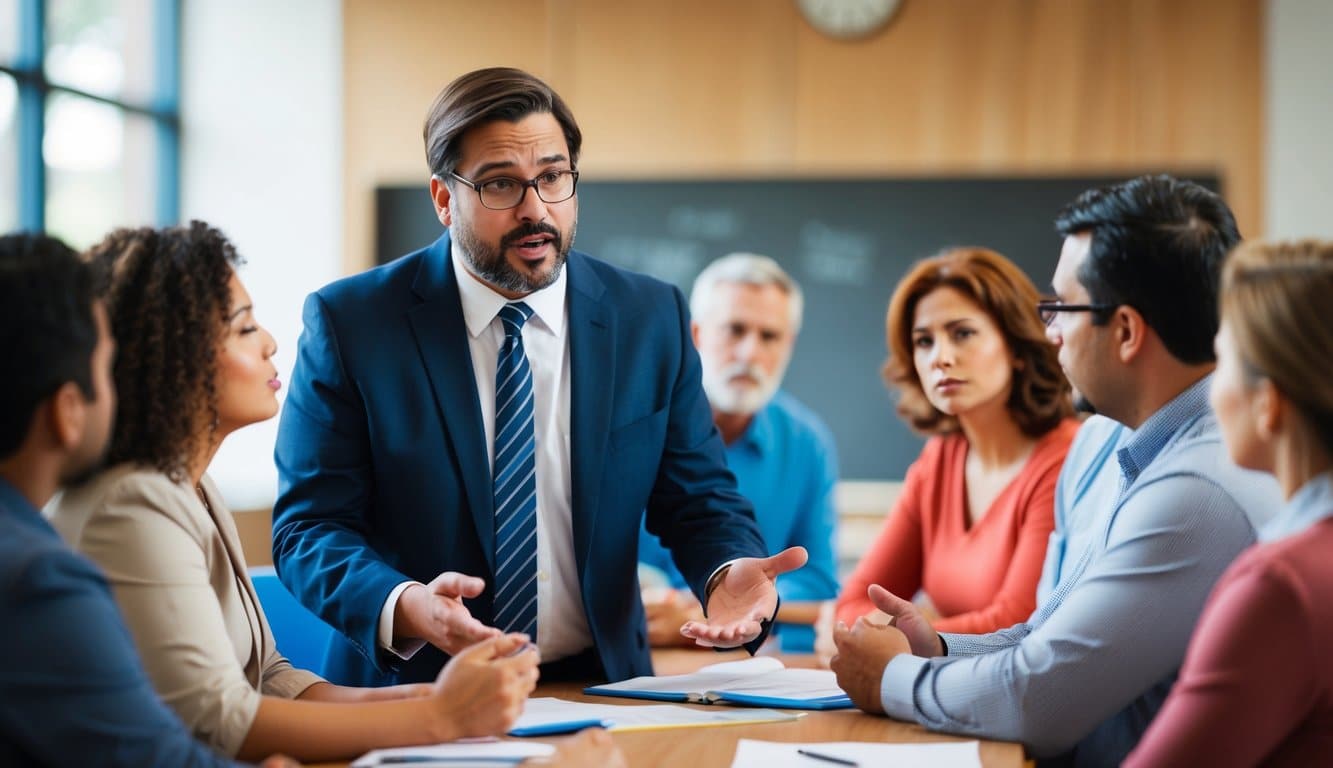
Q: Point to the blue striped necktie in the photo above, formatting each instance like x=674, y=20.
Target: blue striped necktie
x=515, y=481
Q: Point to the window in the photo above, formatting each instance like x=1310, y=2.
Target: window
x=89, y=116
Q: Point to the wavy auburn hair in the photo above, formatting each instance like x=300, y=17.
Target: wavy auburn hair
x=168, y=298
x=1040, y=395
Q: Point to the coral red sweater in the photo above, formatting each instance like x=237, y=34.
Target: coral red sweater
x=979, y=578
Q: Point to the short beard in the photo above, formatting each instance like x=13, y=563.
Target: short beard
x=723, y=397
x=489, y=263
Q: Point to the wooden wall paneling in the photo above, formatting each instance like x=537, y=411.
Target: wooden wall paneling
x=396, y=57
x=746, y=87
x=689, y=87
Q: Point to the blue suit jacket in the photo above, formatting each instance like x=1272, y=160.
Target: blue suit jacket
x=72, y=690
x=383, y=469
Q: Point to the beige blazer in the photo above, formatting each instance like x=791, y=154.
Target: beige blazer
x=179, y=576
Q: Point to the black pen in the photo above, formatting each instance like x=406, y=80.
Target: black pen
x=826, y=758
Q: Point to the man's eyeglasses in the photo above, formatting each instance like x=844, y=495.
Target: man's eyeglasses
x=1049, y=309
x=503, y=193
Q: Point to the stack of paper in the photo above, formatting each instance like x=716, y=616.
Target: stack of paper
x=548, y=716
x=831, y=754
x=484, y=753
x=760, y=682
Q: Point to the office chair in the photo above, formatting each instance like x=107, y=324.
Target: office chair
x=301, y=636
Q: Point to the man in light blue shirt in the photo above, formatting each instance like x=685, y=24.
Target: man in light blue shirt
x=1134, y=317
x=746, y=313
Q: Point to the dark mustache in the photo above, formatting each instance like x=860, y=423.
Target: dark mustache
x=528, y=230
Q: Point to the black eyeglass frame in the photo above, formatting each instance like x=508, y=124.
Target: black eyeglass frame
x=1047, y=309
x=526, y=185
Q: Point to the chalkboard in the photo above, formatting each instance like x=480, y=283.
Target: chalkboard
x=847, y=241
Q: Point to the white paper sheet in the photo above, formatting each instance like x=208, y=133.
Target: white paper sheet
x=486, y=753
x=772, y=754
x=545, y=710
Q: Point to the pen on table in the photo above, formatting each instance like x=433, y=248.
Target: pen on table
x=826, y=758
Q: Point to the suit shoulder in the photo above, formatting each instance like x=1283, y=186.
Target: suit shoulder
x=122, y=490
x=32, y=563
x=625, y=284
x=371, y=284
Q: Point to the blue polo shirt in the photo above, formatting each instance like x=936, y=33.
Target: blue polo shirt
x=787, y=466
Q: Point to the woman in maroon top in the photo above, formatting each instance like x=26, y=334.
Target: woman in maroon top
x=1256, y=687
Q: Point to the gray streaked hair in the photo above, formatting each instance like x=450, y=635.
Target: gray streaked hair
x=746, y=269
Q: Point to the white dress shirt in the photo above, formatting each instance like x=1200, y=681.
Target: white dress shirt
x=562, y=624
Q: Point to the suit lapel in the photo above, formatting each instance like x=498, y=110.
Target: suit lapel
x=592, y=382
x=442, y=340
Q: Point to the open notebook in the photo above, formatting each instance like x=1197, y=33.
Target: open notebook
x=758, y=682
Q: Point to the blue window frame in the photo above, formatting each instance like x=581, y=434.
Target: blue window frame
x=89, y=115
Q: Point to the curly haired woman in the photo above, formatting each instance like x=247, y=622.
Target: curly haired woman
x=194, y=366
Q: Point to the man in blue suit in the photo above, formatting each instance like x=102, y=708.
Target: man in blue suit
x=475, y=431
x=72, y=690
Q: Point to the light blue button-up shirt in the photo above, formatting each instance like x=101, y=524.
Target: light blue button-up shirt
x=786, y=465
x=1088, y=478
x=1092, y=666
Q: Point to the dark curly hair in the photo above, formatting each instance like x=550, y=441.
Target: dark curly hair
x=1040, y=396
x=168, y=299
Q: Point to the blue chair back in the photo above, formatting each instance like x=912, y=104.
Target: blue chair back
x=301, y=635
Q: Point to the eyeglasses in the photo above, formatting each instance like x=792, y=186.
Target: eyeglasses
x=1049, y=309
x=503, y=193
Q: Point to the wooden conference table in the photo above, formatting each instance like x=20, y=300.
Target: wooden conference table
x=714, y=747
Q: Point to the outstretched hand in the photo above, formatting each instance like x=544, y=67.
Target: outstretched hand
x=435, y=613
x=745, y=596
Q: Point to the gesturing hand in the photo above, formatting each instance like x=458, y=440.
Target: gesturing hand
x=908, y=618
x=862, y=654
x=746, y=596
x=435, y=613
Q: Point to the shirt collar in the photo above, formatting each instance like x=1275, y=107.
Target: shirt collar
x=1152, y=435
x=1310, y=504
x=11, y=497
x=481, y=303
x=757, y=435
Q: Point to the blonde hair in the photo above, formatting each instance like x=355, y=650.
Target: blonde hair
x=1275, y=300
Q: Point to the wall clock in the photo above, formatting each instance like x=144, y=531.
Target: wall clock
x=848, y=19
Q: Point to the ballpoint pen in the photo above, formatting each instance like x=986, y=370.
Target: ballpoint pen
x=826, y=758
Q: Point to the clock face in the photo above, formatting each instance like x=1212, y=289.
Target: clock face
x=847, y=18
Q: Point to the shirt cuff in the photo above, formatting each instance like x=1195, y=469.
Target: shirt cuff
x=408, y=647
x=898, y=685
x=711, y=576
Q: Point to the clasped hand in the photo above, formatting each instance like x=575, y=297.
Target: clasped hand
x=867, y=647
x=746, y=596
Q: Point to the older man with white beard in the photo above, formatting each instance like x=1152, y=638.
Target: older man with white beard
x=746, y=315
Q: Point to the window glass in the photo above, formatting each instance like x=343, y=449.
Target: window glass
x=9, y=154
x=104, y=47
x=9, y=31
x=100, y=169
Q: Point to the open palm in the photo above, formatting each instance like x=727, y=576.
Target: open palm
x=746, y=596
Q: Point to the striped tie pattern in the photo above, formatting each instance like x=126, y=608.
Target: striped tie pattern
x=515, y=481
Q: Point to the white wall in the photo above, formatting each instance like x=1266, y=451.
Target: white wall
x=1300, y=119
x=262, y=160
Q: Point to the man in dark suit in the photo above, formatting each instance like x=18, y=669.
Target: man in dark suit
x=72, y=690
x=502, y=406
